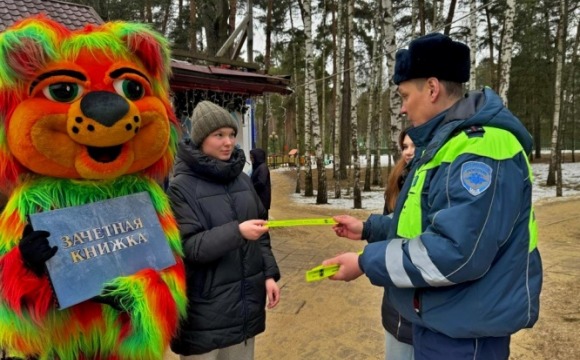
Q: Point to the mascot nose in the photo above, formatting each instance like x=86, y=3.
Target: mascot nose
x=104, y=107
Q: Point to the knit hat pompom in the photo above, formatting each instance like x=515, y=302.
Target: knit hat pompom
x=207, y=117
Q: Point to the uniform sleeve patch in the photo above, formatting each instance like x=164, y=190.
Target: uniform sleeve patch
x=475, y=177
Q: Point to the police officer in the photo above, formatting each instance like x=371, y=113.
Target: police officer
x=460, y=258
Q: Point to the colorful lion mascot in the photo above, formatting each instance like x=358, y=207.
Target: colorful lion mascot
x=84, y=117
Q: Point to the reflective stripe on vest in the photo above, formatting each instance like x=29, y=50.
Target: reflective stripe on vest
x=496, y=144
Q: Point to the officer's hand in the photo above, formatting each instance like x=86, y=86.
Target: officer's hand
x=349, y=269
x=348, y=227
x=35, y=249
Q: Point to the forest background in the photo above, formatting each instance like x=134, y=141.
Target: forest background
x=340, y=56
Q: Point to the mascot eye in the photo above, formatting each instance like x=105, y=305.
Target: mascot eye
x=63, y=92
x=130, y=89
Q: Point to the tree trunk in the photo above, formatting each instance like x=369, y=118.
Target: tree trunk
x=296, y=104
x=572, y=87
x=472, y=43
x=562, y=43
x=377, y=123
x=537, y=135
x=214, y=18
x=250, y=33
x=345, y=153
x=193, y=25
x=338, y=72
x=499, y=57
x=506, y=51
x=413, y=17
x=148, y=12
x=308, y=77
x=450, y=15
x=396, y=119
x=233, y=5
x=268, y=49
x=323, y=114
x=434, y=20
x=372, y=108
x=421, y=6
x=167, y=13
x=308, y=185
x=353, y=120
x=266, y=126
x=312, y=112
x=555, y=160
x=490, y=45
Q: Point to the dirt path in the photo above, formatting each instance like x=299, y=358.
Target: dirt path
x=336, y=320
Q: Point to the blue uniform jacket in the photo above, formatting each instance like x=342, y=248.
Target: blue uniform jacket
x=470, y=272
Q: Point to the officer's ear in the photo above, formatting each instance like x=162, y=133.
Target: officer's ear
x=434, y=88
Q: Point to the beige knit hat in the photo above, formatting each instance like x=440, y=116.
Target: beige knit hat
x=208, y=117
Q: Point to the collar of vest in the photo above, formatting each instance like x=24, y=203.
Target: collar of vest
x=422, y=134
x=432, y=135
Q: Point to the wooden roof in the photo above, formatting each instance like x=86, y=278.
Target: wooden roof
x=203, y=77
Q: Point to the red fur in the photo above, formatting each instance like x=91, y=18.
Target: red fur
x=87, y=314
x=27, y=59
x=148, y=51
x=9, y=167
x=165, y=306
x=22, y=288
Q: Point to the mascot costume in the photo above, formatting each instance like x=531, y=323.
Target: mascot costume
x=84, y=117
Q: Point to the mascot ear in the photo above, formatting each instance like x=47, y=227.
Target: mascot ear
x=25, y=58
x=26, y=47
x=151, y=50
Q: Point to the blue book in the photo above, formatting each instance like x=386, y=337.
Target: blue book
x=101, y=241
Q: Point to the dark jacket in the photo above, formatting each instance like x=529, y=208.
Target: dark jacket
x=261, y=177
x=225, y=273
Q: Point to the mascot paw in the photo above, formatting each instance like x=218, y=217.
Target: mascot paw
x=35, y=249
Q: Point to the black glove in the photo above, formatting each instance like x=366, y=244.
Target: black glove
x=35, y=249
x=107, y=297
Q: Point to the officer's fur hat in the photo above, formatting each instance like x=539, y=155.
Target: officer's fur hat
x=433, y=55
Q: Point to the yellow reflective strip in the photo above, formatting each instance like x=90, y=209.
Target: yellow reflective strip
x=300, y=222
x=410, y=225
x=323, y=271
x=533, y=228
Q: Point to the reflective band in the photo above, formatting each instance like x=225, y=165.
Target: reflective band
x=422, y=261
x=394, y=261
x=533, y=228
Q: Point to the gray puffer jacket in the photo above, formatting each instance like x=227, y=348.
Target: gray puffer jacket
x=225, y=273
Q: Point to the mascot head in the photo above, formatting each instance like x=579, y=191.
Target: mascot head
x=91, y=104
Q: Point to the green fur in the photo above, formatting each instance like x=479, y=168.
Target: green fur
x=177, y=294
x=96, y=41
x=44, y=194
